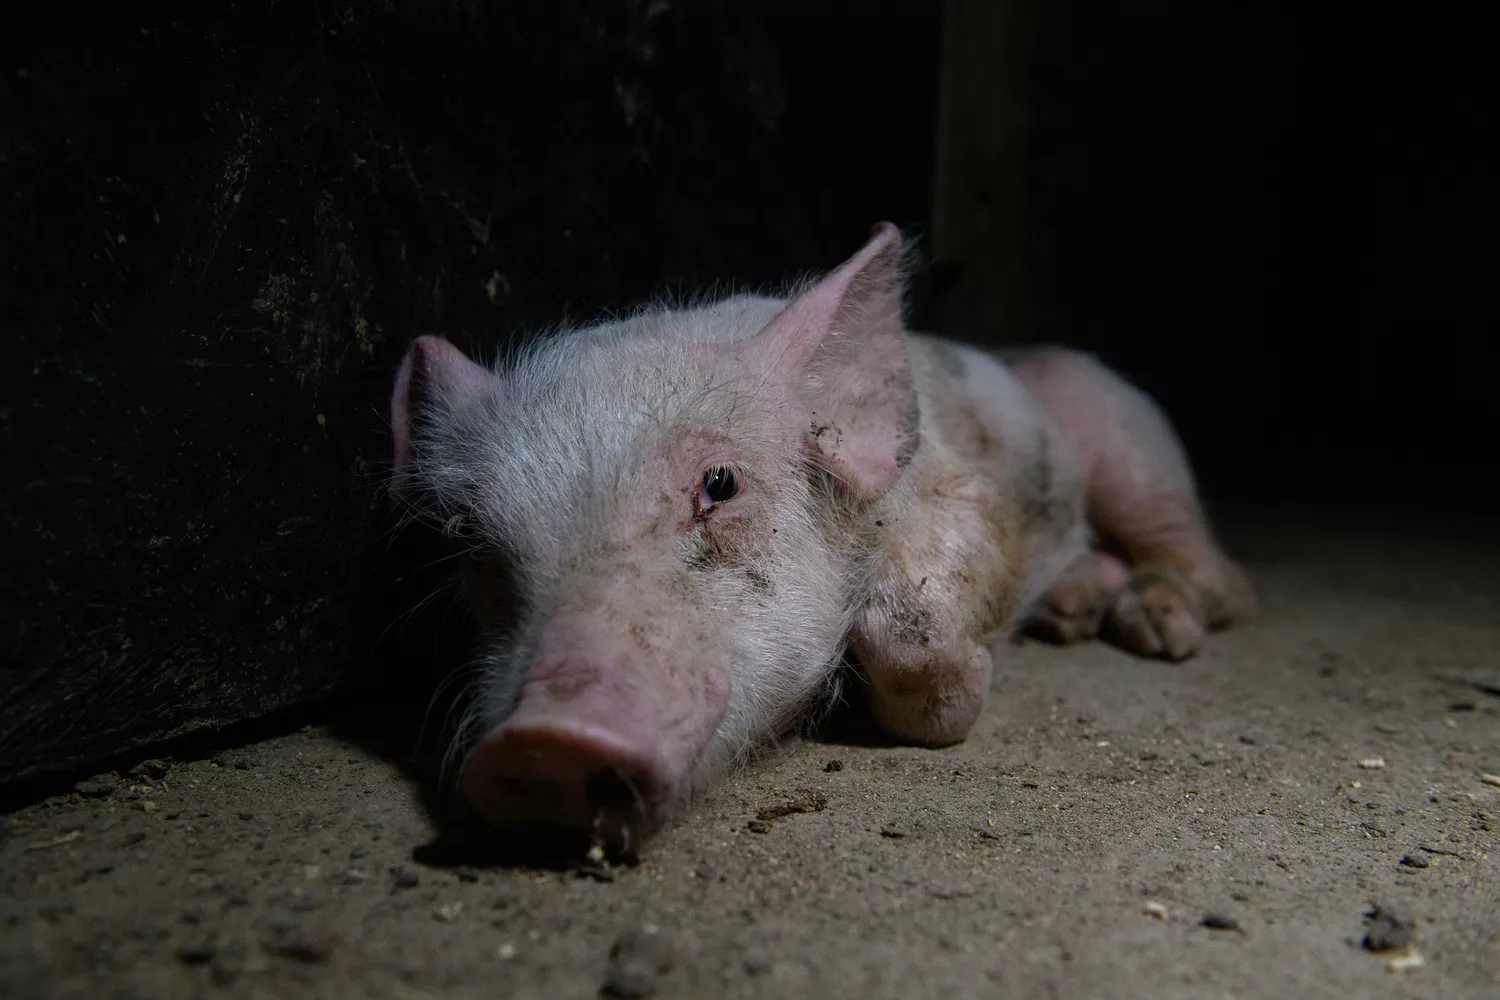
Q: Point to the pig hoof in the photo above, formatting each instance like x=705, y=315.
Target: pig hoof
x=1075, y=607
x=932, y=703
x=1052, y=624
x=1160, y=613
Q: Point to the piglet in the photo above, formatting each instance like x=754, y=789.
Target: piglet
x=683, y=524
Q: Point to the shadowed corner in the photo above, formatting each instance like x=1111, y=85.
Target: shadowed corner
x=416, y=648
x=843, y=716
x=414, y=644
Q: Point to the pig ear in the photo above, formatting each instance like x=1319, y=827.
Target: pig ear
x=434, y=373
x=841, y=350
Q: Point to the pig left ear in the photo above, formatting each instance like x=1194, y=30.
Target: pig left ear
x=434, y=374
x=840, y=348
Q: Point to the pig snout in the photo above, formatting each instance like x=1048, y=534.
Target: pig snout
x=602, y=741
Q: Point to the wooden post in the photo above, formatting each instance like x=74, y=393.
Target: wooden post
x=979, y=196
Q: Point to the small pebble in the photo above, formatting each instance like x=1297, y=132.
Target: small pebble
x=1407, y=961
x=196, y=953
x=758, y=826
x=637, y=960
x=1486, y=681
x=1372, y=763
x=803, y=800
x=150, y=769
x=1490, y=779
x=1386, y=930
x=629, y=981
x=1415, y=861
x=305, y=899
x=1219, y=921
x=97, y=787
x=300, y=947
x=833, y=765
x=1155, y=909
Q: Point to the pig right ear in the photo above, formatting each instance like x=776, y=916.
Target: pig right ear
x=433, y=374
x=839, y=349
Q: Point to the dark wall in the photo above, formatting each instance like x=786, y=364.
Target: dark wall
x=223, y=223
x=1279, y=219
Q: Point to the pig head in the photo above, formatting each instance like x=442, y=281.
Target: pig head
x=662, y=516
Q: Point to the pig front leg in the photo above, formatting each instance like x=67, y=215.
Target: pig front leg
x=944, y=582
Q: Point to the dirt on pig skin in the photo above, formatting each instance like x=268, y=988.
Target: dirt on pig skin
x=1077, y=844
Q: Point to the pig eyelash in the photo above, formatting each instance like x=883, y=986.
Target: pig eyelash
x=720, y=484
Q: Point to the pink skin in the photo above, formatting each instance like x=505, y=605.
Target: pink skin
x=609, y=704
x=434, y=362
x=612, y=711
x=864, y=409
x=594, y=742
x=1159, y=582
x=617, y=704
x=665, y=627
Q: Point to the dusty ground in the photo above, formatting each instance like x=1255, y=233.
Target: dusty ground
x=1104, y=808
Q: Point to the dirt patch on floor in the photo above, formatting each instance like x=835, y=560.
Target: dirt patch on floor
x=1113, y=827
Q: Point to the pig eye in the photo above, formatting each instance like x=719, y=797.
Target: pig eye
x=719, y=484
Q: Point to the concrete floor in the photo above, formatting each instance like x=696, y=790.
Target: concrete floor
x=1326, y=759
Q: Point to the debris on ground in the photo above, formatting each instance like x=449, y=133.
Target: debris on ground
x=1407, y=961
x=97, y=787
x=1386, y=930
x=756, y=964
x=638, y=958
x=803, y=800
x=149, y=770
x=1217, y=921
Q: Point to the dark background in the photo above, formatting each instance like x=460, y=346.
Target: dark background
x=223, y=223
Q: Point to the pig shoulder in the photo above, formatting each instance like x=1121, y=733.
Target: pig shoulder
x=979, y=417
x=986, y=514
